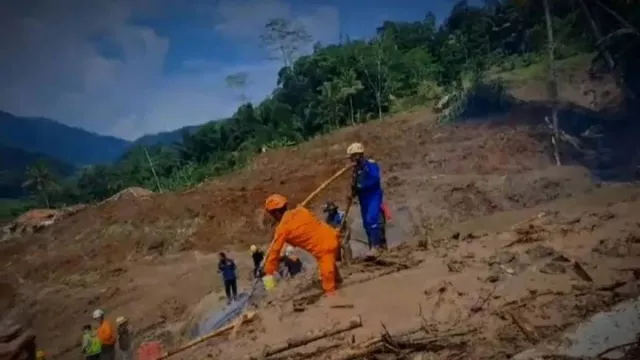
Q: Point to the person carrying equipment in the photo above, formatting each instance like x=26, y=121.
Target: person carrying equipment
x=299, y=227
x=257, y=255
x=366, y=186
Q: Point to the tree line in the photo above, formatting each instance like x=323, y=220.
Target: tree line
x=322, y=88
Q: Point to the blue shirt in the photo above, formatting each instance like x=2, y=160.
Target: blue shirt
x=335, y=219
x=228, y=269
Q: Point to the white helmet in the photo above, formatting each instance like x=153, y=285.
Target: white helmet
x=97, y=314
x=355, y=148
x=289, y=250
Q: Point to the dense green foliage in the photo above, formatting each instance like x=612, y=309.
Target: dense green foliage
x=405, y=64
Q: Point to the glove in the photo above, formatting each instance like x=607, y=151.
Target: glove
x=269, y=282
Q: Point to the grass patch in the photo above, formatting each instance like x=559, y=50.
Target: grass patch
x=538, y=71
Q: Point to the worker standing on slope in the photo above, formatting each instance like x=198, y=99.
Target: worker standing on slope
x=300, y=228
x=227, y=268
x=91, y=346
x=106, y=334
x=366, y=186
x=258, y=256
x=124, y=338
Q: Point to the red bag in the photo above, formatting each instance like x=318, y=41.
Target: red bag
x=150, y=351
x=386, y=211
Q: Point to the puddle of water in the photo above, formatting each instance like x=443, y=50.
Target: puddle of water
x=604, y=330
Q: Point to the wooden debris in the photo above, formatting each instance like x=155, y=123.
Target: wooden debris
x=401, y=344
x=247, y=317
x=342, y=306
x=303, y=355
x=236, y=325
x=581, y=272
x=527, y=329
x=296, y=343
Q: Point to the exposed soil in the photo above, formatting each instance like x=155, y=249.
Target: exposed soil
x=491, y=227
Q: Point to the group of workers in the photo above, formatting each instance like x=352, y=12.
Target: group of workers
x=297, y=227
x=300, y=228
x=101, y=343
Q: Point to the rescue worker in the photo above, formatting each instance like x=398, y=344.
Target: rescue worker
x=335, y=217
x=227, y=268
x=299, y=227
x=367, y=187
x=17, y=343
x=292, y=263
x=106, y=334
x=91, y=346
x=258, y=255
x=124, y=338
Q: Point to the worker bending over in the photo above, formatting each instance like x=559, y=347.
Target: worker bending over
x=291, y=262
x=366, y=186
x=300, y=228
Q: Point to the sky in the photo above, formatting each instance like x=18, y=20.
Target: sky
x=132, y=67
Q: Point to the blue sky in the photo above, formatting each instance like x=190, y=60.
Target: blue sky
x=127, y=68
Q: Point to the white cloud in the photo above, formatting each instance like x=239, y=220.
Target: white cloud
x=51, y=68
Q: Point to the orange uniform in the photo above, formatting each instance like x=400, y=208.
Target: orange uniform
x=106, y=334
x=300, y=228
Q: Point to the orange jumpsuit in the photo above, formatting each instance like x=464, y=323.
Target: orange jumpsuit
x=300, y=228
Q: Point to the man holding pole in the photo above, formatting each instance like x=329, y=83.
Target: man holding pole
x=366, y=186
x=299, y=227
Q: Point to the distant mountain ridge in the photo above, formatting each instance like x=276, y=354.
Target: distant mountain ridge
x=66, y=143
x=166, y=137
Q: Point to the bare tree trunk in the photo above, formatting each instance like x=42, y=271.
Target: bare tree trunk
x=353, y=121
x=605, y=52
x=153, y=170
x=552, y=84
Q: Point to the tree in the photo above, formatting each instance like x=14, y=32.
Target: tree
x=285, y=40
x=41, y=181
x=552, y=82
x=239, y=82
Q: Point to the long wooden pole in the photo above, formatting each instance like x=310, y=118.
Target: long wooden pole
x=249, y=316
x=354, y=323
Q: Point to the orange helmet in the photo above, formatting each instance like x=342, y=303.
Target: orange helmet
x=275, y=202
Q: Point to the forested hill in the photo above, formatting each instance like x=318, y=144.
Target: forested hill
x=68, y=144
x=14, y=165
x=406, y=64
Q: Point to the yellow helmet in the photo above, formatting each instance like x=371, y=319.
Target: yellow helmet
x=355, y=148
x=253, y=248
x=121, y=320
x=39, y=355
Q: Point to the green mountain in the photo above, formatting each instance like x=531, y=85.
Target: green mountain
x=166, y=137
x=68, y=144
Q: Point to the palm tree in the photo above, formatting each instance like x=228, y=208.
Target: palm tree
x=40, y=180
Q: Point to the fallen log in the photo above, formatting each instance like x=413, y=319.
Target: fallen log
x=246, y=317
x=406, y=342
x=296, y=343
